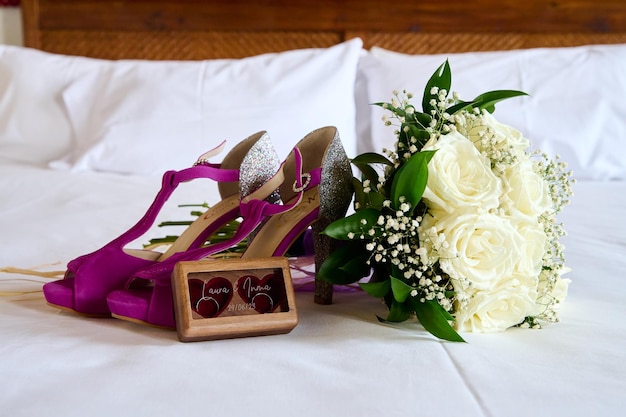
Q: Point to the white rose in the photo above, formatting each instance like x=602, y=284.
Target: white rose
x=497, y=309
x=485, y=132
x=533, y=246
x=482, y=248
x=459, y=176
x=525, y=191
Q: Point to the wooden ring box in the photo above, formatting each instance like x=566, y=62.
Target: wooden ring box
x=229, y=298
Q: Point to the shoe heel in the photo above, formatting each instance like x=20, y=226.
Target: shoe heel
x=335, y=193
x=323, y=247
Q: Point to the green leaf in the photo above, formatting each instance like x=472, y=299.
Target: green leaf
x=434, y=319
x=372, y=158
x=418, y=118
x=410, y=180
x=423, y=119
x=376, y=289
x=489, y=99
x=395, y=110
x=368, y=172
x=442, y=78
x=400, y=289
x=485, y=101
x=175, y=223
x=398, y=312
x=357, y=266
x=340, y=229
x=334, y=269
x=420, y=134
x=446, y=314
x=375, y=200
x=462, y=105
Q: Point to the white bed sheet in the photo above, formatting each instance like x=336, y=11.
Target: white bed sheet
x=337, y=361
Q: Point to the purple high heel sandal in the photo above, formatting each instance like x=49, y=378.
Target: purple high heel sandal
x=315, y=185
x=90, y=278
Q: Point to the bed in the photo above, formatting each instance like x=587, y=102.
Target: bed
x=107, y=95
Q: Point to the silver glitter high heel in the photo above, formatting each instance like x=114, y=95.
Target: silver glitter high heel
x=315, y=186
x=328, y=192
x=336, y=193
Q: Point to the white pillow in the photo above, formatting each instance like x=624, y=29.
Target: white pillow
x=576, y=106
x=146, y=117
x=34, y=126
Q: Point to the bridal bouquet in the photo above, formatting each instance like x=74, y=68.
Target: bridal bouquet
x=456, y=225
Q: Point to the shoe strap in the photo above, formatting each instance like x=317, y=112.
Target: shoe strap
x=170, y=181
x=302, y=182
x=254, y=210
x=202, y=168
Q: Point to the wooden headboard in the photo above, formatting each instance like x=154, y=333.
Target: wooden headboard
x=204, y=29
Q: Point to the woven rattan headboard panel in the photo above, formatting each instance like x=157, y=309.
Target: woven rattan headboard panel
x=201, y=29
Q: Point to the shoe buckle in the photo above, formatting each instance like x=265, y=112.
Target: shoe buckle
x=307, y=180
x=201, y=161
